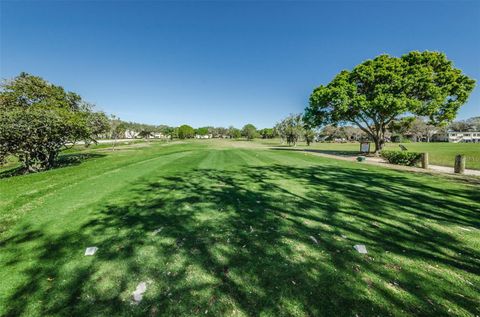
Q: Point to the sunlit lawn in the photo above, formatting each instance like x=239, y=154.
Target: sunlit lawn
x=244, y=232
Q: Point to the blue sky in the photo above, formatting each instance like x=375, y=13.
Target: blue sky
x=222, y=63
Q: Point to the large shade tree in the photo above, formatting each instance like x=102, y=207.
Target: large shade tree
x=378, y=91
x=39, y=119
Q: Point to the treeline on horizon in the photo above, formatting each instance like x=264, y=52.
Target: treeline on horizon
x=417, y=128
x=142, y=130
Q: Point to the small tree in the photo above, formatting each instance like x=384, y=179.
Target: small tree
x=249, y=131
x=38, y=119
x=421, y=130
x=234, y=133
x=291, y=129
x=328, y=132
x=473, y=123
x=461, y=126
x=220, y=132
x=117, y=128
x=309, y=136
x=166, y=131
x=185, y=132
x=400, y=127
x=267, y=133
x=202, y=131
x=378, y=91
x=145, y=134
x=352, y=133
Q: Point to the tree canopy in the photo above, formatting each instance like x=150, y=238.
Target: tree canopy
x=202, y=131
x=38, y=119
x=267, y=133
x=378, y=91
x=471, y=124
x=185, y=132
x=234, y=133
x=249, y=131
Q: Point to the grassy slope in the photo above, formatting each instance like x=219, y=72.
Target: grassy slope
x=440, y=153
x=236, y=238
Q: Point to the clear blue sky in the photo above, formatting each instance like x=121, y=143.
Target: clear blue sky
x=221, y=63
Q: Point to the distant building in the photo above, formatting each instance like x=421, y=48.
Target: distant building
x=131, y=134
x=464, y=137
x=159, y=135
x=206, y=136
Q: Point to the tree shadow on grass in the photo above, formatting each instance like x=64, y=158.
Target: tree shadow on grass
x=75, y=159
x=330, y=152
x=272, y=240
x=64, y=160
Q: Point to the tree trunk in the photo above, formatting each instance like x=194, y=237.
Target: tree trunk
x=51, y=159
x=379, y=143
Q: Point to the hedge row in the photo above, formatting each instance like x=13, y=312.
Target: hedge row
x=401, y=157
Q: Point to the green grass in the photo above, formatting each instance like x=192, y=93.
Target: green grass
x=440, y=153
x=237, y=226
x=67, y=159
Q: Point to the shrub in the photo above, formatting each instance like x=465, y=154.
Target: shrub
x=401, y=157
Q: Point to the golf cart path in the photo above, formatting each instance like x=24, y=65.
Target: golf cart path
x=381, y=162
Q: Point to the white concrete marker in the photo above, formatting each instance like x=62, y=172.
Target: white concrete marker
x=361, y=248
x=91, y=250
x=138, y=294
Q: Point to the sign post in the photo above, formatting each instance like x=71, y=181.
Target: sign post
x=365, y=147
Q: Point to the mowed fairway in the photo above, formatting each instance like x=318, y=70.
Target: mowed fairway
x=240, y=231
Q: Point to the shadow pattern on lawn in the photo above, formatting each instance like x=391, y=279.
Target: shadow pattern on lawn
x=322, y=151
x=64, y=160
x=241, y=242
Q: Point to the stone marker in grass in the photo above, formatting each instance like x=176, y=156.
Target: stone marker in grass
x=138, y=293
x=157, y=230
x=313, y=239
x=361, y=248
x=91, y=250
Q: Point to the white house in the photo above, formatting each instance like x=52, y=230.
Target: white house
x=206, y=136
x=131, y=134
x=464, y=137
x=159, y=135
